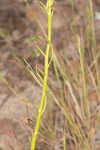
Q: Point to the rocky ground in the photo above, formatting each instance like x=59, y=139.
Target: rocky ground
x=19, y=24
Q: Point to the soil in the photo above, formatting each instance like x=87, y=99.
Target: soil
x=19, y=24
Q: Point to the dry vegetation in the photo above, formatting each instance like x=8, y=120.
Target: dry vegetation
x=71, y=116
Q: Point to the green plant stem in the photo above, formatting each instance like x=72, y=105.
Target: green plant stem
x=82, y=63
x=45, y=79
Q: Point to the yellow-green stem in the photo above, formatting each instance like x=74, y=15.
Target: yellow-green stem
x=94, y=52
x=45, y=78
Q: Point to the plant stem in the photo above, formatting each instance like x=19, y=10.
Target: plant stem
x=49, y=12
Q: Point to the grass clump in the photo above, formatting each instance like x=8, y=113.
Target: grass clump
x=68, y=118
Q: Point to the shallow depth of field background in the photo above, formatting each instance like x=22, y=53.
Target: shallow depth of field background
x=22, y=31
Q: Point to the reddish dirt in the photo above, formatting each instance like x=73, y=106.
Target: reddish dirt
x=19, y=22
